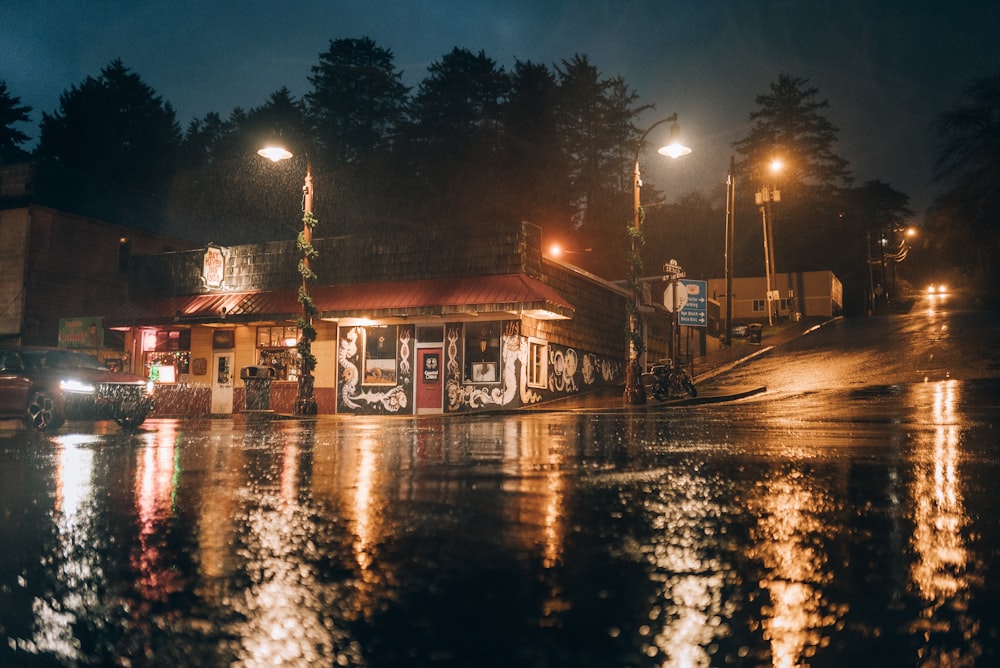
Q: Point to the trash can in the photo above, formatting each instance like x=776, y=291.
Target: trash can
x=257, y=381
x=755, y=330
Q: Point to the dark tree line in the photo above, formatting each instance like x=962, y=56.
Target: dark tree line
x=473, y=143
x=963, y=226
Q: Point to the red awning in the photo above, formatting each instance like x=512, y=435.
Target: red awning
x=471, y=295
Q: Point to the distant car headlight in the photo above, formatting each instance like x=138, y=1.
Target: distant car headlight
x=76, y=386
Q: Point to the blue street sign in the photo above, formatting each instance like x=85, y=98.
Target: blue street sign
x=695, y=311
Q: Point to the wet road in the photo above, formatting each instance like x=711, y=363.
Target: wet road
x=846, y=516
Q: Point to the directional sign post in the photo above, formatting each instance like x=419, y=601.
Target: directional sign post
x=694, y=313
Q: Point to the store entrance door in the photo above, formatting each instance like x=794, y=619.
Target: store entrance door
x=429, y=380
x=222, y=383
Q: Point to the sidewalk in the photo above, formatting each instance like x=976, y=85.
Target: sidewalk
x=705, y=368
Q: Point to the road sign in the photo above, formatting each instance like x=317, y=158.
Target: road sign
x=695, y=310
x=668, y=296
x=673, y=270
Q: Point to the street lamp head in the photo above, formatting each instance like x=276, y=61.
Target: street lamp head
x=556, y=250
x=675, y=149
x=275, y=152
x=777, y=166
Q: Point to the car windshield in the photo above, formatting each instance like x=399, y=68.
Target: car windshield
x=60, y=359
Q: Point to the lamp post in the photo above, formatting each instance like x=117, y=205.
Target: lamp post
x=730, y=246
x=764, y=197
x=634, y=392
x=305, y=400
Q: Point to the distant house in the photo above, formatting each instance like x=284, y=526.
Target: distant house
x=60, y=268
x=801, y=294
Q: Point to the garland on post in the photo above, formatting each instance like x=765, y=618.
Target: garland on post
x=308, y=332
x=636, y=241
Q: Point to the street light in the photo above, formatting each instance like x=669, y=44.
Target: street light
x=764, y=197
x=305, y=400
x=556, y=250
x=634, y=392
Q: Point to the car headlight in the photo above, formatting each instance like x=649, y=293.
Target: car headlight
x=76, y=386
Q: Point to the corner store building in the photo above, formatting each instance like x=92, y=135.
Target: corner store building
x=431, y=321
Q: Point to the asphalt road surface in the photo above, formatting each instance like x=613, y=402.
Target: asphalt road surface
x=846, y=516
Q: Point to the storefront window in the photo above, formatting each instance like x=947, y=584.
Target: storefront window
x=538, y=357
x=166, y=354
x=380, y=355
x=276, y=348
x=482, y=352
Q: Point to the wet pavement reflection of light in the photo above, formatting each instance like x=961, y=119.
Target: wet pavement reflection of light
x=790, y=543
x=286, y=613
x=689, y=612
x=740, y=537
x=70, y=516
x=944, y=568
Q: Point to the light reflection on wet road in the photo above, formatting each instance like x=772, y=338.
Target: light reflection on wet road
x=854, y=523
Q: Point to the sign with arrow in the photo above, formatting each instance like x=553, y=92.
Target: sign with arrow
x=694, y=313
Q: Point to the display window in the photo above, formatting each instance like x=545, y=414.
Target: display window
x=277, y=348
x=166, y=354
x=482, y=352
x=380, y=355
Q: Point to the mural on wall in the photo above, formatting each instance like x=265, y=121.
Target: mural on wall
x=395, y=364
x=376, y=369
x=562, y=370
x=596, y=369
x=567, y=370
x=513, y=349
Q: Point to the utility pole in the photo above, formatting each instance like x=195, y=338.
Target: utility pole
x=730, y=250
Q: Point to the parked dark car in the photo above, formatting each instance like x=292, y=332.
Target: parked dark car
x=47, y=386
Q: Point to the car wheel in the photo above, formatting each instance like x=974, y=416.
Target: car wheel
x=131, y=421
x=42, y=413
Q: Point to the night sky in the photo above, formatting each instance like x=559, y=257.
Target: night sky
x=887, y=67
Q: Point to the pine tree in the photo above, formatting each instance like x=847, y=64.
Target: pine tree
x=11, y=112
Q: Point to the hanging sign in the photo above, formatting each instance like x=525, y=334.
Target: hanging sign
x=214, y=267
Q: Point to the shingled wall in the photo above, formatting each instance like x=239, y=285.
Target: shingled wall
x=598, y=324
x=479, y=249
